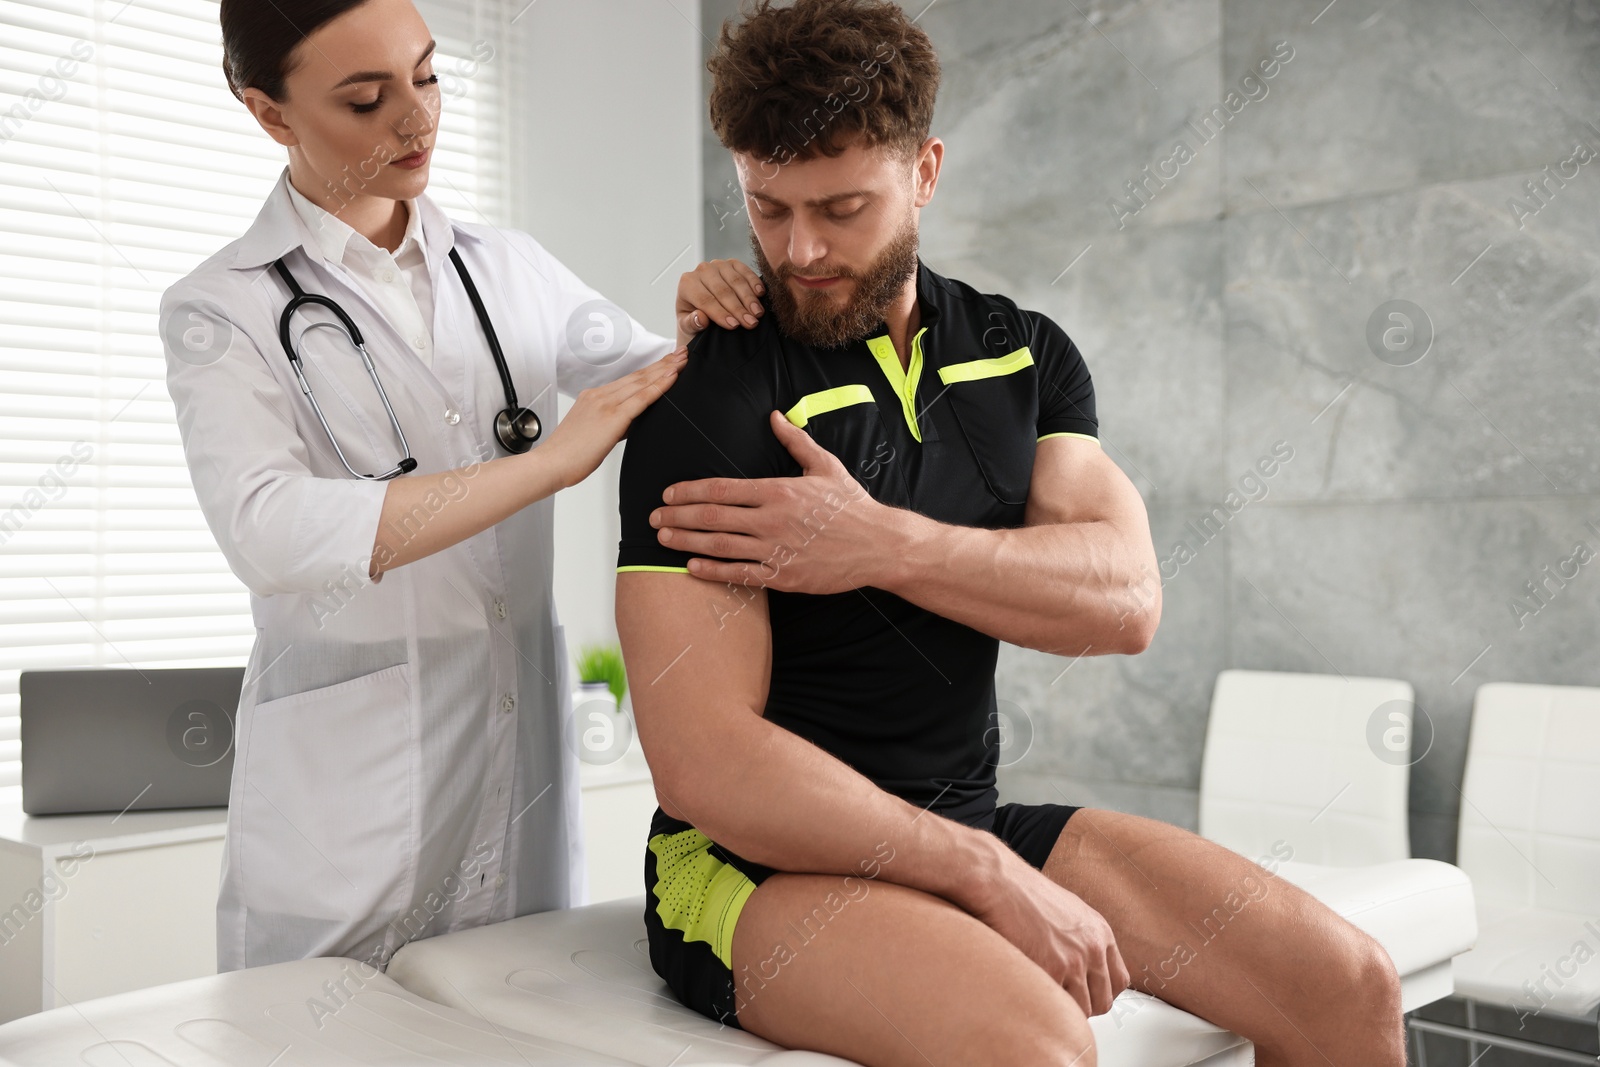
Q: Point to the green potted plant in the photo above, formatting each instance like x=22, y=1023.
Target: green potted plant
x=603, y=729
x=601, y=665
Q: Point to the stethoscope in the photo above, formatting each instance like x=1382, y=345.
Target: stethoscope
x=516, y=427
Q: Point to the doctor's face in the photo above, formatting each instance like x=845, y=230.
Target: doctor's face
x=362, y=103
x=836, y=238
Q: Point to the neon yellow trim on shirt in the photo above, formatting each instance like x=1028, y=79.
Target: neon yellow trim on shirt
x=813, y=404
x=902, y=380
x=662, y=570
x=986, y=368
x=1085, y=436
x=696, y=893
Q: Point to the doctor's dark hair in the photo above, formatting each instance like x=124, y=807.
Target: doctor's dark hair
x=791, y=83
x=259, y=39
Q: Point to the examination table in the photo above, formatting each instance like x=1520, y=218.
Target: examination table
x=576, y=987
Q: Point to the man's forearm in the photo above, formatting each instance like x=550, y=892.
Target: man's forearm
x=777, y=799
x=1077, y=588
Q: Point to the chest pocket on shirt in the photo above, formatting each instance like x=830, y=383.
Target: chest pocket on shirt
x=846, y=421
x=996, y=403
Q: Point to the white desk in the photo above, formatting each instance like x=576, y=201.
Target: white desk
x=101, y=904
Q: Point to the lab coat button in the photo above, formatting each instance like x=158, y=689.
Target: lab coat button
x=507, y=703
x=500, y=609
x=420, y=342
x=387, y=276
x=499, y=881
x=452, y=416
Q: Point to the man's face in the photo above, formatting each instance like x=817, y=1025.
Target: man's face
x=836, y=237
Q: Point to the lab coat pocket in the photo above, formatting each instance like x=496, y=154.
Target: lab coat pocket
x=327, y=800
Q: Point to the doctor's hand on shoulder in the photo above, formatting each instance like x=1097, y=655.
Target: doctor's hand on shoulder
x=600, y=417
x=726, y=292
x=596, y=424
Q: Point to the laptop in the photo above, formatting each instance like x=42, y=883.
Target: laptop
x=127, y=740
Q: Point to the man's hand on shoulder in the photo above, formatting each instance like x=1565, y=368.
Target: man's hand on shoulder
x=818, y=533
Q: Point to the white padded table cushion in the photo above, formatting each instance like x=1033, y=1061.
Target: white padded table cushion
x=1284, y=749
x=265, y=1016
x=581, y=980
x=583, y=975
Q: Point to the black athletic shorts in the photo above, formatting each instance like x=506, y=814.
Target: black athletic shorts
x=695, y=889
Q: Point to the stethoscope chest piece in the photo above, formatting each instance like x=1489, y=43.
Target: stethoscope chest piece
x=517, y=430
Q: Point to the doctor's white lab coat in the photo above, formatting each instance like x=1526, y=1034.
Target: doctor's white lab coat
x=403, y=765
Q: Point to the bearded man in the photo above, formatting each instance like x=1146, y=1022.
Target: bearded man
x=829, y=523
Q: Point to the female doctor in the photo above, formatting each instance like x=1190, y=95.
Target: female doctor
x=404, y=765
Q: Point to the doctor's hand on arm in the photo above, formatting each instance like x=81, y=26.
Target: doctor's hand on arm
x=599, y=419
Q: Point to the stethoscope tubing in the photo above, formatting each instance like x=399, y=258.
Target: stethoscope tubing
x=507, y=425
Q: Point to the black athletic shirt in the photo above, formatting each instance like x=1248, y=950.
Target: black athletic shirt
x=901, y=694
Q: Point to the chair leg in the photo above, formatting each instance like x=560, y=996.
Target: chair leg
x=1472, y=1024
x=1515, y=1044
x=1416, y=1040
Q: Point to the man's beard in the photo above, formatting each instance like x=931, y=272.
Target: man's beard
x=816, y=320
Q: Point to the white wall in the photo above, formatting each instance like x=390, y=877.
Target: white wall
x=605, y=112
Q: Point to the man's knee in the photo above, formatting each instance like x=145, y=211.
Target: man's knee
x=1355, y=1006
x=1371, y=975
x=1369, y=996
x=1382, y=983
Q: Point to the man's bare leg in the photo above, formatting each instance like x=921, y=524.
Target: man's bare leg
x=1211, y=932
x=895, y=977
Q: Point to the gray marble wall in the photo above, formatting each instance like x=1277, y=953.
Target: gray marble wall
x=1227, y=308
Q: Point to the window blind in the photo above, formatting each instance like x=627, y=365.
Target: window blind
x=124, y=162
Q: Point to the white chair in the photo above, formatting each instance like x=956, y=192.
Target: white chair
x=1318, y=761
x=1530, y=840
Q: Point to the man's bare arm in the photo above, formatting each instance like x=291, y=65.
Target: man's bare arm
x=1078, y=579
x=699, y=659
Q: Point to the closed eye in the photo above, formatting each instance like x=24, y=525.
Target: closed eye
x=368, y=108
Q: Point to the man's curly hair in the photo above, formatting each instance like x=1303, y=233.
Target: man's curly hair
x=790, y=83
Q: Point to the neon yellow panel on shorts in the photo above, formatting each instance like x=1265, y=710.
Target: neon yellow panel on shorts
x=696, y=893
